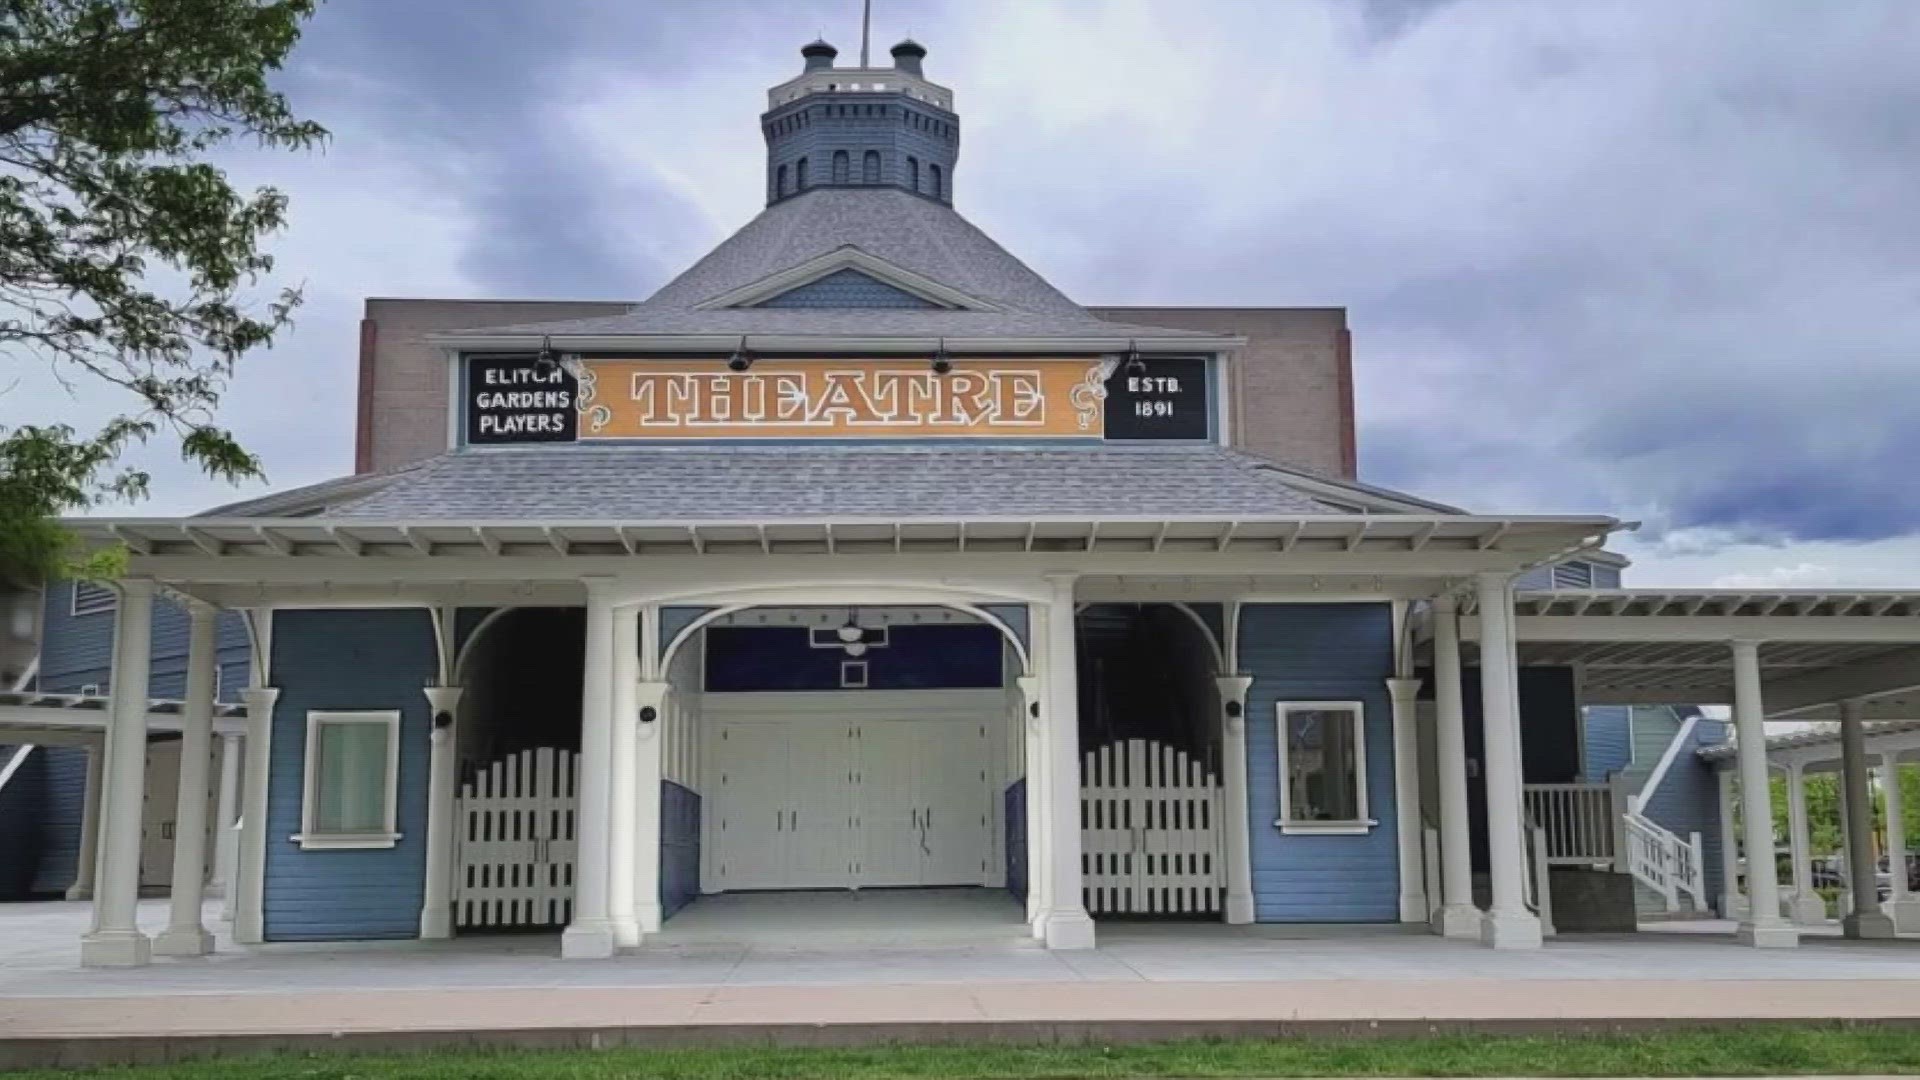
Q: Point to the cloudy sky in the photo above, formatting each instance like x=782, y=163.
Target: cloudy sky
x=1655, y=259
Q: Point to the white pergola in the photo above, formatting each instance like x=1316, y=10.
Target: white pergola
x=1782, y=655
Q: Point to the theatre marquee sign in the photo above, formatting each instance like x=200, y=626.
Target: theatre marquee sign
x=513, y=400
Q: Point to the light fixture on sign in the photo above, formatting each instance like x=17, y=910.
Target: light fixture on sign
x=1135, y=365
x=741, y=359
x=544, y=359
x=942, y=363
x=853, y=636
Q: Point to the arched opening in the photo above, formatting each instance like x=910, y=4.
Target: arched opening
x=840, y=167
x=933, y=179
x=870, y=167
x=800, y=175
x=913, y=173
x=780, y=182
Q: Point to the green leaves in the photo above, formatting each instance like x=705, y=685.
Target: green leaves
x=124, y=256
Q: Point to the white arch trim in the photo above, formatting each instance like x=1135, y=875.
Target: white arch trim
x=841, y=596
x=1214, y=645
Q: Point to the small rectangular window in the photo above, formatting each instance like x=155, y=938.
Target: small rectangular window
x=1323, y=767
x=90, y=598
x=351, y=794
x=853, y=674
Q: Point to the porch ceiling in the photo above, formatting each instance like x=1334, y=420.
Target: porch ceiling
x=1817, y=648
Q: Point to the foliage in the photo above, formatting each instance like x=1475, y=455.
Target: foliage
x=125, y=255
x=1762, y=1051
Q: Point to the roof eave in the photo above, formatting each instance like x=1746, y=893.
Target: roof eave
x=906, y=345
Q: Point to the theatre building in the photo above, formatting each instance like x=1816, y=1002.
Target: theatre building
x=856, y=557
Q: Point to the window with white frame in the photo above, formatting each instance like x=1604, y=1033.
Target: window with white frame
x=352, y=782
x=1323, y=767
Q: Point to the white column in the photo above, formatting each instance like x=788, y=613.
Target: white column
x=1233, y=762
x=185, y=935
x=249, y=925
x=1067, y=925
x=226, y=850
x=1459, y=918
x=1866, y=920
x=1807, y=908
x=82, y=887
x=1731, y=900
x=115, y=939
x=1508, y=924
x=620, y=827
x=443, y=768
x=591, y=936
x=1763, y=927
x=1032, y=707
x=1405, y=694
x=1901, y=906
x=648, y=757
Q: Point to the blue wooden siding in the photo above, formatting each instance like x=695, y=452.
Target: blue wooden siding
x=746, y=658
x=679, y=847
x=1688, y=799
x=1016, y=845
x=77, y=650
x=63, y=776
x=22, y=806
x=347, y=659
x=1320, y=652
x=1609, y=740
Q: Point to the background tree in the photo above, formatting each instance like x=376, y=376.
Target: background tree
x=125, y=256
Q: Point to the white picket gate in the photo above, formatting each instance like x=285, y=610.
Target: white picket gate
x=516, y=841
x=1151, y=839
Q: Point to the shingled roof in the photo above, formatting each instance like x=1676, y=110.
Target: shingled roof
x=918, y=235
x=743, y=483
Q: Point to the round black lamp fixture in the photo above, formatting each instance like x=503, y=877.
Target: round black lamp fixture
x=648, y=714
x=741, y=359
x=544, y=359
x=942, y=363
x=1135, y=365
x=443, y=719
x=1233, y=710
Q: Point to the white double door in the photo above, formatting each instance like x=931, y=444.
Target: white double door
x=810, y=802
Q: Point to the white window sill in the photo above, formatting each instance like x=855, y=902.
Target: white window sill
x=1326, y=828
x=345, y=841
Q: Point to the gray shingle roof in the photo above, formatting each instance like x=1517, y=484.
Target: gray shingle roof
x=763, y=483
x=916, y=234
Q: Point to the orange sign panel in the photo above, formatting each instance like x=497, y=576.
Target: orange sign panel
x=824, y=399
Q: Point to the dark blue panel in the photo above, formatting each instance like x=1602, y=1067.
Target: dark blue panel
x=1016, y=845
x=679, y=847
x=347, y=659
x=23, y=805
x=76, y=650
x=846, y=288
x=745, y=658
x=1609, y=740
x=1320, y=652
x=64, y=774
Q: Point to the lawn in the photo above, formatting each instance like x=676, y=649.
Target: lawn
x=1769, y=1051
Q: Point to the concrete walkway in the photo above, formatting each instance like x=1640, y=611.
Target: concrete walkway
x=1145, y=981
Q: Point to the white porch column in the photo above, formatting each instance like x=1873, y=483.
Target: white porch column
x=1066, y=924
x=226, y=848
x=1866, y=920
x=115, y=939
x=82, y=887
x=185, y=935
x=1508, y=924
x=1458, y=917
x=620, y=826
x=249, y=926
x=1233, y=764
x=1807, y=908
x=1731, y=899
x=1032, y=707
x=443, y=766
x=591, y=936
x=650, y=699
x=1404, y=695
x=1902, y=907
x=1763, y=927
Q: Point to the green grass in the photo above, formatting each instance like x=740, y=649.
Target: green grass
x=1733, y=1052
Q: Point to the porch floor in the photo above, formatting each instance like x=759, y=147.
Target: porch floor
x=937, y=957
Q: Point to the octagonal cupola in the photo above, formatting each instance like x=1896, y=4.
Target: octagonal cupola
x=862, y=126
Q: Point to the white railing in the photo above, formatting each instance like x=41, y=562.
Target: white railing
x=1576, y=822
x=1665, y=863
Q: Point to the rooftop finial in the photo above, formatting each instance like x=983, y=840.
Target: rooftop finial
x=866, y=29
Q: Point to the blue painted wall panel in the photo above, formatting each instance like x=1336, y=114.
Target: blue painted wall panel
x=63, y=771
x=22, y=806
x=1320, y=652
x=347, y=659
x=1016, y=845
x=76, y=650
x=753, y=658
x=1688, y=799
x=1609, y=740
x=679, y=847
